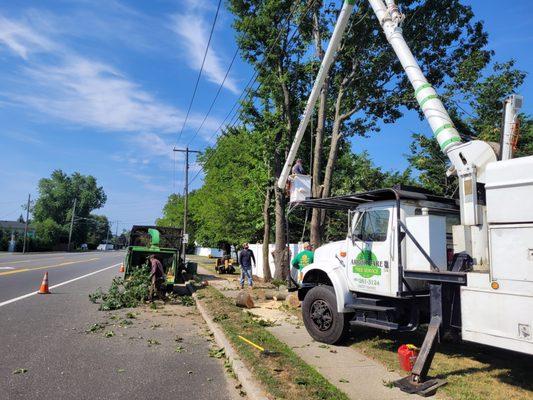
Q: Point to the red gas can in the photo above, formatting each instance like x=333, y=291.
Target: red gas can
x=407, y=354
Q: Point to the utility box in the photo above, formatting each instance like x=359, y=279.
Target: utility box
x=430, y=232
x=507, y=181
x=300, y=187
x=511, y=253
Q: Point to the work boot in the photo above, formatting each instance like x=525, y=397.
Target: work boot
x=242, y=285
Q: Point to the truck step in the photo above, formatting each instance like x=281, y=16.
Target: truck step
x=370, y=307
x=373, y=323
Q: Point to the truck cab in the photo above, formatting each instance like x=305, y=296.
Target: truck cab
x=364, y=280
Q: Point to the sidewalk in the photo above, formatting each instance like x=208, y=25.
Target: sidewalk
x=352, y=372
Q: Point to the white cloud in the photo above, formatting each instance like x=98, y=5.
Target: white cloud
x=147, y=182
x=194, y=30
x=84, y=91
x=94, y=94
x=21, y=39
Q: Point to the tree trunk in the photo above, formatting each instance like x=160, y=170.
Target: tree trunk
x=333, y=153
x=280, y=253
x=267, y=274
x=316, y=230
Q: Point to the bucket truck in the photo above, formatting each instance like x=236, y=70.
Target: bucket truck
x=413, y=258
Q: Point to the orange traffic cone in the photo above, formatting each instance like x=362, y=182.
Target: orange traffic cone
x=121, y=269
x=44, y=285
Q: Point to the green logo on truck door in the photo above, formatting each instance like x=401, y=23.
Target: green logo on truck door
x=366, y=264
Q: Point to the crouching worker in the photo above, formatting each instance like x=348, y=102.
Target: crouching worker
x=157, y=278
x=302, y=260
x=246, y=257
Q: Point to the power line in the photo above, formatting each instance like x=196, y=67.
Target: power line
x=251, y=82
x=200, y=72
x=216, y=96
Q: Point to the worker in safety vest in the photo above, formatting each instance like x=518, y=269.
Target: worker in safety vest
x=303, y=259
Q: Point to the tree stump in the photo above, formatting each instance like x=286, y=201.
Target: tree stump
x=244, y=299
x=292, y=300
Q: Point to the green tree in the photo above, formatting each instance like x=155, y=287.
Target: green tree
x=53, y=209
x=228, y=208
x=98, y=230
x=273, y=36
x=173, y=214
x=475, y=104
x=368, y=85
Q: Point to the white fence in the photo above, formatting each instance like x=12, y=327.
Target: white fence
x=257, y=248
x=207, y=251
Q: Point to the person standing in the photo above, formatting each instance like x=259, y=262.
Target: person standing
x=157, y=278
x=303, y=259
x=246, y=257
x=298, y=168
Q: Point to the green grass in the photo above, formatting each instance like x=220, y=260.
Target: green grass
x=473, y=372
x=284, y=376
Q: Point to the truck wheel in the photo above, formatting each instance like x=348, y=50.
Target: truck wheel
x=323, y=322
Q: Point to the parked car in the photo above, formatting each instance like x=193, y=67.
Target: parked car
x=105, y=247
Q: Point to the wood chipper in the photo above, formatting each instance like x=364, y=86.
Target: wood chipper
x=165, y=243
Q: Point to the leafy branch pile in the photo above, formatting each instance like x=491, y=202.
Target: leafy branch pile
x=124, y=293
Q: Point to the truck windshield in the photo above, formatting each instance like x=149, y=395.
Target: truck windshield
x=371, y=226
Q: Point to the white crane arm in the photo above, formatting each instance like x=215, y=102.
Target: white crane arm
x=325, y=66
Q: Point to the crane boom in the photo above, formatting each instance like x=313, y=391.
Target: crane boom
x=325, y=66
x=390, y=19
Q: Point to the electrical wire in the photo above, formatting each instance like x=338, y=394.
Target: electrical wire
x=253, y=79
x=216, y=96
x=200, y=72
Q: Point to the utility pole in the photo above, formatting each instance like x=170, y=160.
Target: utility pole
x=26, y=225
x=107, y=234
x=186, y=202
x=71, y=224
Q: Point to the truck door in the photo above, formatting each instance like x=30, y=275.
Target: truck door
x=369, y=251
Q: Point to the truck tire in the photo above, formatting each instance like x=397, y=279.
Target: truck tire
x=321, y=319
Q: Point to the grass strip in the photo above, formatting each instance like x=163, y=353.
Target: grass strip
x=285, y=375
x=473, y=372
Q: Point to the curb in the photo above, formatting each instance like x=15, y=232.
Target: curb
x=244, y=376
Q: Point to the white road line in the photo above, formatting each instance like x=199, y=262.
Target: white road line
x=7, y=268
x=55, y=286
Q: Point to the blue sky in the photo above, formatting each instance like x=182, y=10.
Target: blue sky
x=102, y=87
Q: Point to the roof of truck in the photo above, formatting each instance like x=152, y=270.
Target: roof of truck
x=352, y=201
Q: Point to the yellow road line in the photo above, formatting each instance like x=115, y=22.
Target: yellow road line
x=28, y=261
x=16, y=271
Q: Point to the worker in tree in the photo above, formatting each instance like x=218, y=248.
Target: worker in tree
x=157, y=278
x=303, y=259
x=246, y=256
x=298, y=168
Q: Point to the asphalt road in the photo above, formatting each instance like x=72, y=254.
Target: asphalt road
x=159, y=354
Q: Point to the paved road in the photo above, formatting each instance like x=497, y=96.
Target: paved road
x=46, y=335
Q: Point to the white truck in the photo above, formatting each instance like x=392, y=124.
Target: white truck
x=413, y=258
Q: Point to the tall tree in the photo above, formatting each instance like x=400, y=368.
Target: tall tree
x=53, y=208
x=273, y=37
x=98, y=230
x=368, y=84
